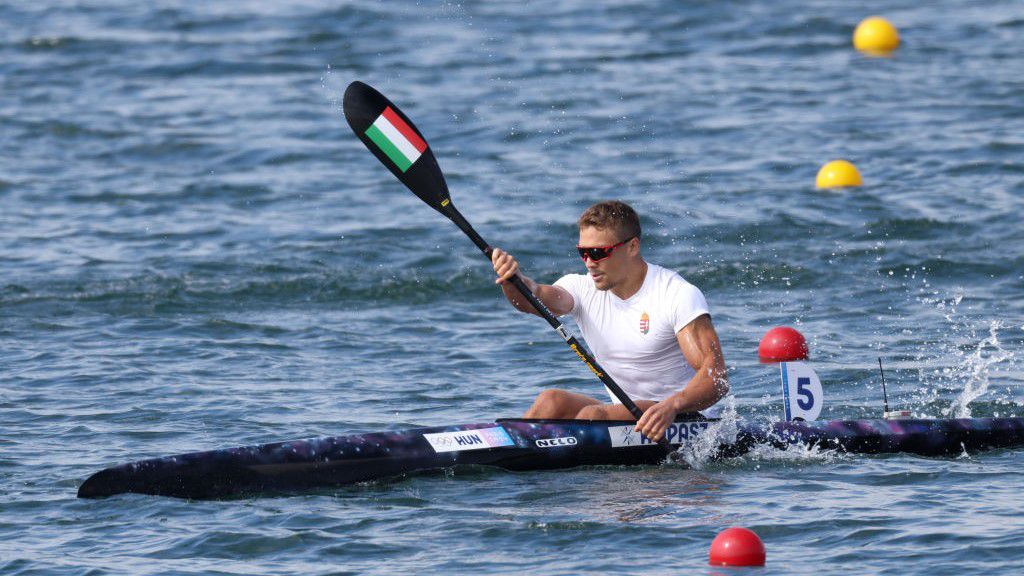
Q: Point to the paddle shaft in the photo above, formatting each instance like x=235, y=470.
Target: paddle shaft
x=455, y=216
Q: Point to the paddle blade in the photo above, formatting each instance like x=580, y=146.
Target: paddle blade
x=397, y=143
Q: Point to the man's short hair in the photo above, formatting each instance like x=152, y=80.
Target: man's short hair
x=612, y=215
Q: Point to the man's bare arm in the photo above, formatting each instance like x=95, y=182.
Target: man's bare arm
x=557, y=300
x=699, y=344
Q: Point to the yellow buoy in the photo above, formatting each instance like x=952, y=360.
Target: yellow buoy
x=876, y=36
x=838, y=174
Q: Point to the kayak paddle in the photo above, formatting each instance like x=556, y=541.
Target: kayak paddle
x=396, y=142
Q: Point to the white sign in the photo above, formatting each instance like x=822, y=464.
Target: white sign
x=801, y=391
x=677, y=433
x=469, y=439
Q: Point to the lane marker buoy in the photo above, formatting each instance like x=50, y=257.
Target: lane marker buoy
x=838, y=174
x=876, y=36
x=782, y=344
x=737, y=546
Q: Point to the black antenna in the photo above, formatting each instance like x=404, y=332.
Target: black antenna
x=885, y=397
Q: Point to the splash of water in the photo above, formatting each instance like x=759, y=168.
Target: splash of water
x=976, y=369
x=795, y=453
x=975, y=360
x=705, y=449
x=698, y=453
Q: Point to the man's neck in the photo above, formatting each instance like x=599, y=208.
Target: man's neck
x=633, y=283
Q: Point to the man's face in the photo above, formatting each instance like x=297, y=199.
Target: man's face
x=613, y=269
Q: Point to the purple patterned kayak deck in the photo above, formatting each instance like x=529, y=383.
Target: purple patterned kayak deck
x=515, y=444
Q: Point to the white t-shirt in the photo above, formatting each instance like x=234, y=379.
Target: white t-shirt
x=634, y=340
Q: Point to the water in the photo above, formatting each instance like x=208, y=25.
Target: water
x=195, y=252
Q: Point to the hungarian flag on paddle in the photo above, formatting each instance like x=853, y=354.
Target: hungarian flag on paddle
x=397, y=143
x=396, y=139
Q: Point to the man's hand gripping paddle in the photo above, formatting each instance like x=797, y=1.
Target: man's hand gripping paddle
x=396, y=142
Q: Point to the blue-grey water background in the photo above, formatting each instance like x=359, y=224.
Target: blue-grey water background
x=195, y=252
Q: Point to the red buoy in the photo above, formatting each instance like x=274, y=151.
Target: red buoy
x=782, y=344
x=737, y=547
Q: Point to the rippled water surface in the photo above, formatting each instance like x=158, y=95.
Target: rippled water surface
x=195, y=252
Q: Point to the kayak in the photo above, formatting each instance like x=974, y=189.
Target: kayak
x=522, y=444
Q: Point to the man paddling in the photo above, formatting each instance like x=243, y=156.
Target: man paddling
x=646, y=325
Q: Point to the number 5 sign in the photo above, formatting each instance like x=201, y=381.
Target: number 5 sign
x=801, y=391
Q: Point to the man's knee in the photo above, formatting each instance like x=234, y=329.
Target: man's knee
x=593, y=412
x=551, y=397
x=552, y=403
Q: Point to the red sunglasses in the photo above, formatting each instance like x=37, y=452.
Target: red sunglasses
x=598, y=253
